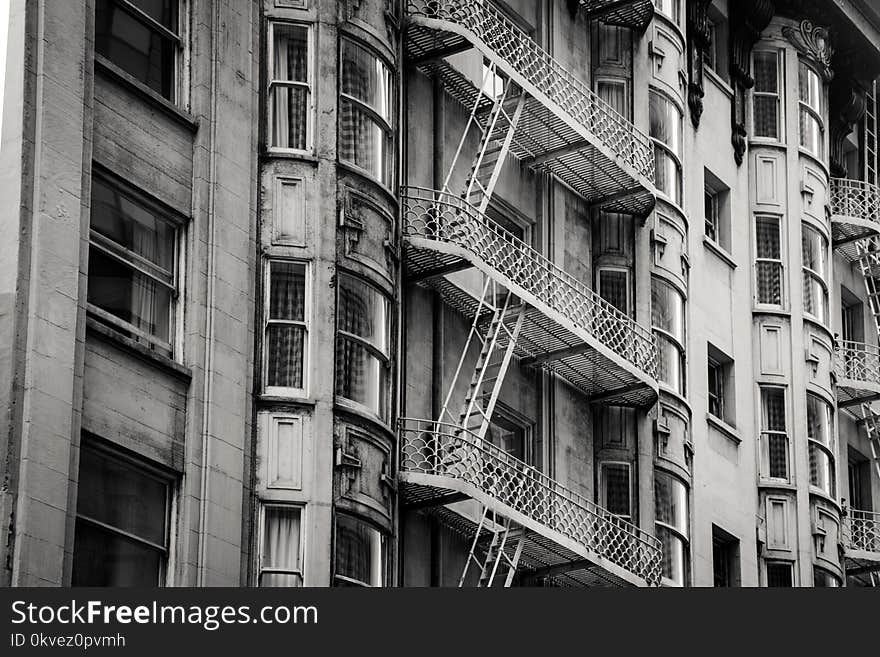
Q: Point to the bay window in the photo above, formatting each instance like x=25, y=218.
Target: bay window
x=290, y=87
x=670, y=9
x=774, y=434
x=820, y=435
x=665, y=129
x=286, y=321
x=812, y=132
x=366, y=101
x=767, y=94
x=142, y=38
x=132, y=264
x=671, y=509
x=815, y=263
x=122, y=521
x=361, y=554
x=281, y=546
x=362, y=345
x=668, y=320
x=768, y=260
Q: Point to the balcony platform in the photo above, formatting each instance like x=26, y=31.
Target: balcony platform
x=568, y=540
x=855, y=214
x=565, y=130
x=568, y=328
x=635, y=14
x=857, y=367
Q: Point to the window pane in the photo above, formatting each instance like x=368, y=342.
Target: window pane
x=811, y=135
x=613, y=93
x=671, y=8
x=290, y=48
x=289, y=116
x=119, y=495
x=809, y=86
x=135, y=47
x=671, y=365
x=674, y=555
x=777, y=455
x=363, y=142
x=667, y=308
x=819, y=420
x=665, y=121
x=821, y=469
x=823, y=578
x=613, y=288
x=285, y=347
x=815, y=298
x=133, y=226
x=363, y=311
x=616, y=488
x=361, y=376
x=508, y=436
x=773, y=401
x=129, y=295
x=766, y=116
x=769, y=276
x=281, y=546
x=359, y=551
x=161, y=11
x=767, y=229
x=671, y=502
x=815, y=250
x=365, y=77
x=104, y=558
x=766, y=72
x=779, y=574
x=667, y=174
x=287, y=290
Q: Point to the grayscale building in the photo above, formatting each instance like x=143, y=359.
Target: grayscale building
x=440, y=293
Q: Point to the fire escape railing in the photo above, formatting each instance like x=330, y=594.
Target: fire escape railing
x=855, y=213
x=443, y=217
x=447, y=451
x=861, y=530
x=858, y=362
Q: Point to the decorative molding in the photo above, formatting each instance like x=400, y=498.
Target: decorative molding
x=848, y=102
x=748, y=18
x=813, y=42
x=699, y=42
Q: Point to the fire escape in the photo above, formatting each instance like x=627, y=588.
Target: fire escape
x=521, y=523
x=855, y=217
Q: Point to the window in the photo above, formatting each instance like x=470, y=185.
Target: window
x=671, y=499
x=286, y=337
x=365, y=109
x=716, y=213
x=141, y=37
x=766, y=94
x=493, y=80
x=824, y=578
x=815, y=261
x=665, y=129
x=779, y=574
x=768, y=260
x=122, y=518
x=290, y=91
x=510, y=435
x=670, y=8
x=132, y=264
x=812, y=132
x=716, y=54
x=820, y=432
x=725, y=558
x=615, y=489
x=615, y=94
x=774, y=437
x=710, y=214
x=613, y=284
x=361, y=553
x=668, y=319
x=720, y=385
x=281, y=546
x=716, y=388
x=362, y=345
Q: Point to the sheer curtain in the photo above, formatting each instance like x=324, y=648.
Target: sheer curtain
x=281, y=542
x=285, y=341
x=355, y=317
x=290, y=102
x=358, y=551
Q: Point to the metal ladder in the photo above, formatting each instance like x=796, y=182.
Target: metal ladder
x=872, y=428
x=868, y=251
x=496, y=136
x=497, y=554
x=871, y=162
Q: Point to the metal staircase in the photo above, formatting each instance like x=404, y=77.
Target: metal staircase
x=497, y=555
x=868, y=251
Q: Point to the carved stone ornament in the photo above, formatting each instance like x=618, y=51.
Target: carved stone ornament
x=813, y=42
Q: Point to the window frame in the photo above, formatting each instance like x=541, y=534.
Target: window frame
x=603, y=491
x=779, y=95
x=384, y=553
x=384, y=359
x=811, y=275
x=710, y=198
x=620, y=82
x=678, y=344
x=828, y=450
x=684, y=537
x=386, y=126
x=163, y=577
x=179, y=77
x=171, y=348
x=780, y=563
x=716, y=373
x=674, y=5
x=261, y=536
x=678, y=198
x=628, y=283
x=779, y=261
x=767, y=433
x=283, y=391
x=814, y=112
x=273, y=83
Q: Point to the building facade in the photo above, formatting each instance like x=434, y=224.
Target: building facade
x=440, y=293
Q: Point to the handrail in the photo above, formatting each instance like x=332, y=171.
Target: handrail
x=444, y=217
x=485, y=24
x=447, y=450
x=856, y=199
x=858, y=361
x=861, y=530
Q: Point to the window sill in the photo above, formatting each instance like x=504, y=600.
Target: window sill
x=719, y=251
x=825, y=497
x=725, y=429
x=281, y=400
x=364, y=413
x=112, y=71
x=282, y=154
x=369, y=178
x=137, y=349
x=763, y=482
x=818, y=161
x=718, y=81
x=771, y=310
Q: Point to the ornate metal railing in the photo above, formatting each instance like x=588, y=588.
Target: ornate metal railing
x=861, y=530
x=855, y=199
x=447, y=450
x=443, y=217
x=635, y=13
x=550, y=83
x=858, y=361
